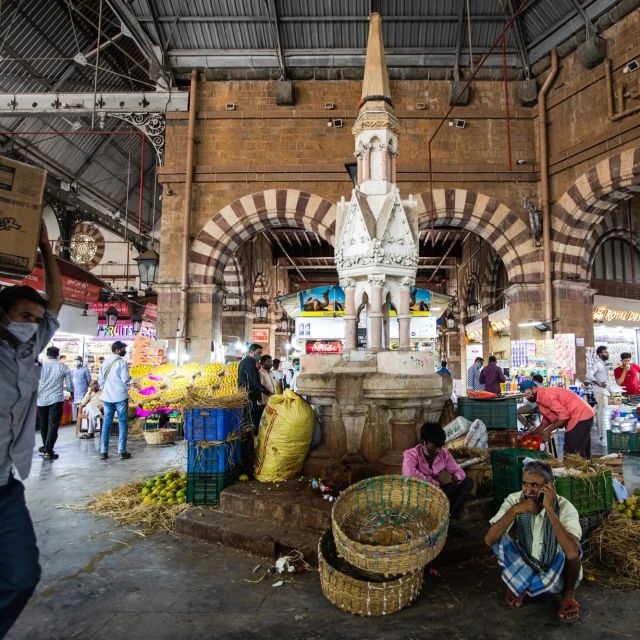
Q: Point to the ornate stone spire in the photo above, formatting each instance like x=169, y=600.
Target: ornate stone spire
x=376, y=128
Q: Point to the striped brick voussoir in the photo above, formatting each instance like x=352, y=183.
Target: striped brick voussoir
x=251, y=214
x=489, y=218
x=594, y=197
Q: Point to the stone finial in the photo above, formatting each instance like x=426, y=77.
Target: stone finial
x=375, y=85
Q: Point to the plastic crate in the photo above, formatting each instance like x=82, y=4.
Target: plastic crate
x=627, y=442
x=503, y=438
x=506, y=465
x=496, y=414
x=587, y=495
x=211, y=424
x=205, y=488
x=218, y=458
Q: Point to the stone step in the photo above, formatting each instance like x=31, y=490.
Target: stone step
x=266, y=539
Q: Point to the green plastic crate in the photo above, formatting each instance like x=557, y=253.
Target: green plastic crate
x=626, y=442
x=496, y=414
x=507, y=471
x=205, y=488
x=587, y=495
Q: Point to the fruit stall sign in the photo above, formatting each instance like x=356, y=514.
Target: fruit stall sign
x=260, y=335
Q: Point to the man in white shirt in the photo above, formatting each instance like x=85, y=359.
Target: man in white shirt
x=545, y=557
x=114, y=380
x=266, y=378
x=93, y=407
x=290, y=379
x=599, y=379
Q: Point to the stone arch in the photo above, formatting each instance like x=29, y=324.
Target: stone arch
x=235, y=291
x=489, y=218
x=243, y=218
x=609, y=227
x=583, y=205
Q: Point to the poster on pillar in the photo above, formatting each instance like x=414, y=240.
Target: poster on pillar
x=419, y=303
x=322, y=301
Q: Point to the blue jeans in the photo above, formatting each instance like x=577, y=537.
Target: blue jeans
x=110, y=408
x=19, y=568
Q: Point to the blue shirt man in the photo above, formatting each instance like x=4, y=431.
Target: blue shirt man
x=473, y=376
x=443, y=369
x=81, y=377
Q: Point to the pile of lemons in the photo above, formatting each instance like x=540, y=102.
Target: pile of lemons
x=139, y=370
x=188, y=369
x=212, y=369
x=631, y=506
x=168, y=489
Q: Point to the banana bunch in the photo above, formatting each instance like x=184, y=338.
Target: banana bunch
x=229, y=381
x=212, y=369
x=179, y=382
x=232, y=369
x=207, y=381
x=140, y=370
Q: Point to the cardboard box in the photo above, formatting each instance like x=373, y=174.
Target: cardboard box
x=21, y=190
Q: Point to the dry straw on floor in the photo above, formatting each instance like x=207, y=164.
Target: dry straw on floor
x=613, y=553
x=203, y=398
x=135, y=429
x=360, y=593
x=125, y=506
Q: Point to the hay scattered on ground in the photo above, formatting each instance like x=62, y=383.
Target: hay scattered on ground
x=613, y=553
x=466, y=453
x=124, y=504
x=136, y=429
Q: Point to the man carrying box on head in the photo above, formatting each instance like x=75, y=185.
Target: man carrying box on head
x=544, y=557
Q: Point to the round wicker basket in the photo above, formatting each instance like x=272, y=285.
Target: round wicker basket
x=390, y=525
x=160, y=436
x=362, y=594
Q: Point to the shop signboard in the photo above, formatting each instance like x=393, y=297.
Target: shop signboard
x=320, y=328
x=324, y=347
x=260, y=336
x=101, y=308
x=73, y=290
x=123, y=329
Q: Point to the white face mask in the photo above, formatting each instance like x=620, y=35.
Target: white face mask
x=23, y=331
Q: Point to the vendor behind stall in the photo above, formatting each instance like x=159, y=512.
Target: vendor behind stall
x=626, y=375
x=428, y=460
x=562, y=408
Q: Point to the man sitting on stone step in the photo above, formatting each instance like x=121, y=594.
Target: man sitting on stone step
x=428, y=460
x=544, y=557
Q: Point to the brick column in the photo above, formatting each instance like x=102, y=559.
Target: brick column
x=526, y=303
x=201, y=299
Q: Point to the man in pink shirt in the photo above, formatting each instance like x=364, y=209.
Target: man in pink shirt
x=429, y=459
x=562, y=408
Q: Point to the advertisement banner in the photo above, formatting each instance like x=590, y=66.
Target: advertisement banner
x=323, y=347
x=123, y=329
x=74, y=290
x=322, y=301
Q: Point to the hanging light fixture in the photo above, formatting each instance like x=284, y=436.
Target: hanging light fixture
x=111, y=314
x=450, y=321
x=261, y=310
x=283, y=323
x=472, y=309
x=147, y=267
x=136, y=322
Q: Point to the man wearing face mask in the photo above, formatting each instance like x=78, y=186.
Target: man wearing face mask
x=473, y=376
x=81, y=377
x=599, y=379
x=291, y=375
x=249, y=378
x=27, y=323
x=114, y=380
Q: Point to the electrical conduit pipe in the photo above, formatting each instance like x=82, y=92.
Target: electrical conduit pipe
x=544, y=187
x=183, y=332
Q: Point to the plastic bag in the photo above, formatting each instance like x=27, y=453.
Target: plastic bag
x=477, y=435
x=456, y=428
x=286, y=428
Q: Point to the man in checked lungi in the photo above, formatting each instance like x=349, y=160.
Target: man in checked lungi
x=545, y=555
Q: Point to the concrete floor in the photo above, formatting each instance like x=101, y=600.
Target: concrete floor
x=102, y=581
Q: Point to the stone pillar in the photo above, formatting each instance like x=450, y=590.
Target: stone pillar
x=486, y=336
x=200, y=299
x=455, y=357
x=350, y=320
x=376, y=282
x=359, y=164
x=526, y=303
x=366, y=162
x=404, y=315
x=394, y=174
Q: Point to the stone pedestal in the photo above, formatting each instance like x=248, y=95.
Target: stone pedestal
x=371, y=406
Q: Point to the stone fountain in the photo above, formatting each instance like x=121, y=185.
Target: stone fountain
x=373, y=401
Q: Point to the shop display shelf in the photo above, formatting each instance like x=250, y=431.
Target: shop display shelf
x=626, y=442
x=216, y=458
x=211, y=424
x=587, y=495
x=501, y=413
x=506, y=465
x=205, y=488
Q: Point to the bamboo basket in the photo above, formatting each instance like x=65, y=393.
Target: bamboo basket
x=160, y=436
x=355, y=592
x=390, y=525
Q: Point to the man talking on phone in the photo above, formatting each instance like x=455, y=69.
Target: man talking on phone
x=544, y=555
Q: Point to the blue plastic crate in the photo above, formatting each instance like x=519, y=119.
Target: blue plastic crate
x=211, y=424
x=218, y=458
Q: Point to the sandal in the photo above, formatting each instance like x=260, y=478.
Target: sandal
x=87, y=436
x=569, y=611
x=513, y=600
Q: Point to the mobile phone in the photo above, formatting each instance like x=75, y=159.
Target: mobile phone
x=540, y=498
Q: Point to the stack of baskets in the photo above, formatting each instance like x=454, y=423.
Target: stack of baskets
x=385, y=530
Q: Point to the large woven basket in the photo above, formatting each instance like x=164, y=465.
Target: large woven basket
x=160, y=436
x=362, y=594
x=390, y=525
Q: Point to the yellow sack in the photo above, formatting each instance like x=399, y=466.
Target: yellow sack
x=286, y=428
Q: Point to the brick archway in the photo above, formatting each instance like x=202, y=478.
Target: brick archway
x=489, y=218
x=579, y=212
x=247, y=216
